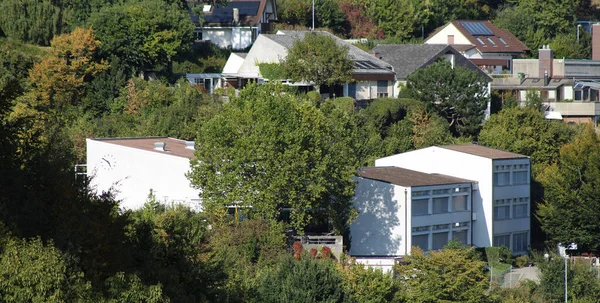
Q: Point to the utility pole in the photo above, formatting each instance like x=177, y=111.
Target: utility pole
x=314, y=16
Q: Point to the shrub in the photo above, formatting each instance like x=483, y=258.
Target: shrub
x=346, y=104
x=522, y=261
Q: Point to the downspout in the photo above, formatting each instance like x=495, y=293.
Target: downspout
x=405, y=222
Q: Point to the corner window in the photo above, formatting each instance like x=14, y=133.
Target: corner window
x=420, y=207
x=421, y=241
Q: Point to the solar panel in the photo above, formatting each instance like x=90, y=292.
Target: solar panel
x=363, y=64
x=477, y=28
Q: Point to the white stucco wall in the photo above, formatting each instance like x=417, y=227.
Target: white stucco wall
x=264, y=50
x=457, y=164
x=133, y=172
x=233, y=64
x=442, y=36
x=380, y=228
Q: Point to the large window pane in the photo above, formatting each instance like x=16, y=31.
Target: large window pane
x=519, y=242
x=439, y=240
x=421, y=241
x=460, y=236
x=520, y=211
x=440, y=205
x=502, y=240
x=502, y=212
x=420, y=207
x=459, y=203
x=501, y=178
x=520, y=177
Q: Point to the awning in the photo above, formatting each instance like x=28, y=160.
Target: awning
x=494, y=62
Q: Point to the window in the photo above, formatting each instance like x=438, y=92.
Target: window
x=480, y=41
x=440, y=205
x=519, y=242
x=421, y=228
x=502, y=210
x=578, y=95
x=420, y=207
x=520, y=177
x=441, y=191
x=491, y=41
x=420, y=193
x=502, y=240
x=441, y=226
x=439, y=240
x=460, y=236
x=421, y=241
x=520, y=211
x=502, y=40
x=501, y=178
x=382, y=88
x=459, y=203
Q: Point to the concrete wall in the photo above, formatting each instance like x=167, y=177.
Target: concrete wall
x=530, y=67
x=133, y=172
x=462, y=165
x=442, y=36
x=380, y=228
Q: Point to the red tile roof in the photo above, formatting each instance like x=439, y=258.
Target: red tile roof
x=513, y=45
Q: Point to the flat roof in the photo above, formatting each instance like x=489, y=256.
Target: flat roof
x=173, y=147
x=406, y=177
x=482, y=151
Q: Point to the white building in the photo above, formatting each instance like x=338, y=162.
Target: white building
x=501, y=204
x=132, y=167
x=235, y=25
x=400, y=208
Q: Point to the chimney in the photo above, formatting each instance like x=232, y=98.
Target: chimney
x=545, y=58
x=236, y=16
x=596, y=42
x=190, y=145
x=160, y=146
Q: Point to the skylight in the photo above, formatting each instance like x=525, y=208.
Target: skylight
x=502, y=40
x=480, y=41
x=491, y=41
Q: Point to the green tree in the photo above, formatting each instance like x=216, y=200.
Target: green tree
x=318, y=58
x=525, y=131
x=450, y=275
x=458, y=94
x=370, y=285
x=33, y=272
x=32, y=21
x=145, y=34
x=270, y=151
x=570, y=209
x=582, y=279
x=567, y=46
x=306, y=280
x=397, y=19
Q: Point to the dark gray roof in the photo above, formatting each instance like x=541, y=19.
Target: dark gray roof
x=482, y=151
x=287, y=38
x=406, y=177
x=407, y=58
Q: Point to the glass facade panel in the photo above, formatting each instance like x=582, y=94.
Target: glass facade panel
x=420, y=207
x=519, y=242
x=440, y=205
x=421, y=241
x=502, y=240
x=460, y=236
x=439, y=240
x=459, y=203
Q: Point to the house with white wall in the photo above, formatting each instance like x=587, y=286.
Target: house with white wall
x=500, y=205
x=373, y=77
x=408, y=58
x=487, y=46
x=399, y=208
x=236, y=24
x=132, y=167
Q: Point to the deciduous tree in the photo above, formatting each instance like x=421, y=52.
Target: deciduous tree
x=268, y=151
x=318, y=58
x=458, y=94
